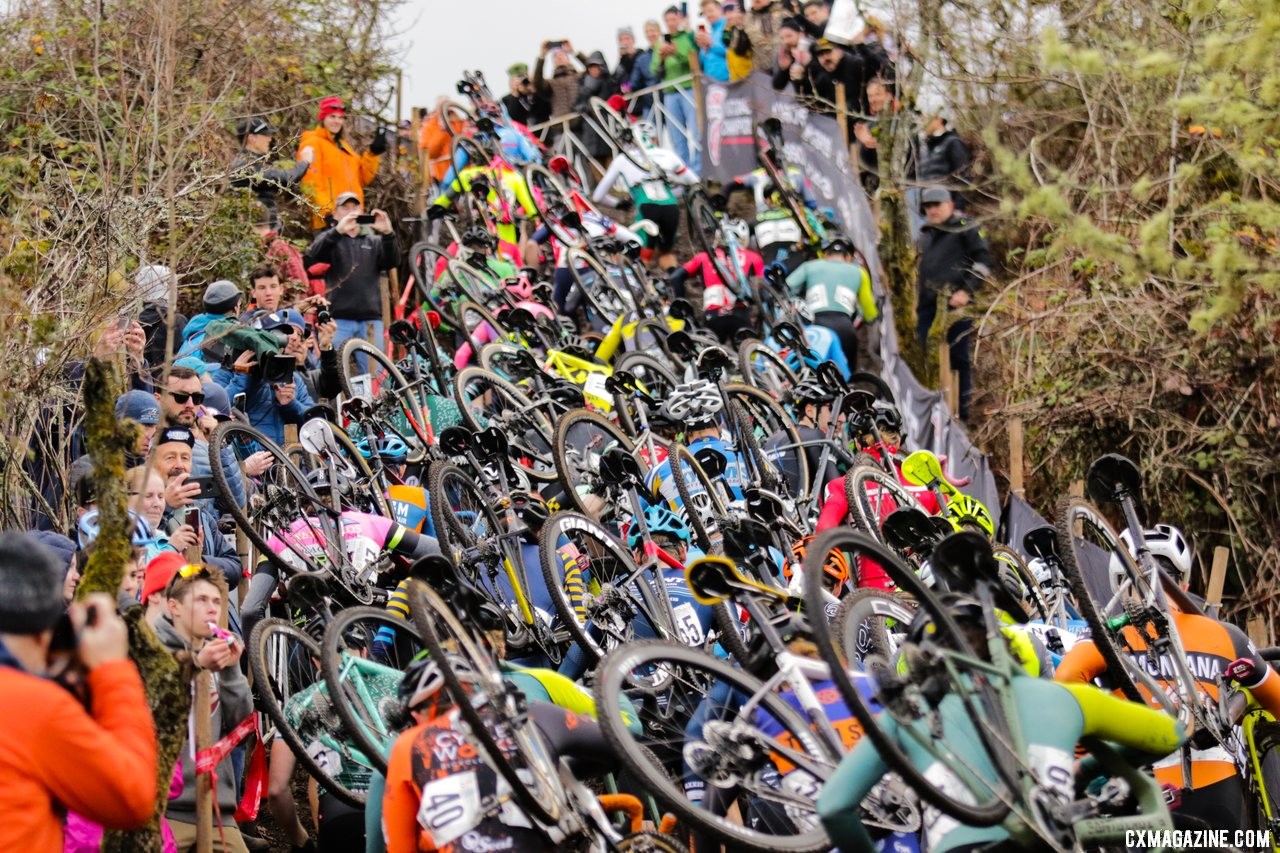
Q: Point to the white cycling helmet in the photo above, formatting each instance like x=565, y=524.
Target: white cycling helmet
x=1167, y=545
x=423, y=679
x=695, y=402
x=740, y=230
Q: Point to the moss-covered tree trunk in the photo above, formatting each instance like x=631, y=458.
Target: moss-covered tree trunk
x=168, y=684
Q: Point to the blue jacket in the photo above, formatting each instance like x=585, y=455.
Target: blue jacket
x=260, y=402
x=715, y=59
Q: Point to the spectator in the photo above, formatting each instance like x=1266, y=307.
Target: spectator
x=596, y=83
x=883, y=108
x=265, y=290
x=627, y=58
x=643, y=74
x=561, y=90
x=712, y=54
x=156, y=285
x=251, y=169
x=112, y=779
x=519, y=101
x=944, y=160
x=336, y=169
x=954, y=260
x=281, y=254
x=435, y=139
x=195, y=598
x=676, y=58
x=816, y=13
x=221, y=302
x=65, y=552
x=790, y=39
x=357, y=256
x=763, y=25
x=141, y=408
x=738, y=54
x=270, y=402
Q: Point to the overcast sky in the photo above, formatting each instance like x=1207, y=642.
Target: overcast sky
x=441, y=38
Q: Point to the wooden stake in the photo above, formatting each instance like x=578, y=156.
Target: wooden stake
x=1077, y=489
x=955, y=393
x=1257, y=631
x=1217, y=578
x=842, y=113
x=1015, y=457
x=388, y=286
x=204, y=781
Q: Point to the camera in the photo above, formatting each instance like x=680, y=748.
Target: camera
x=323, y=316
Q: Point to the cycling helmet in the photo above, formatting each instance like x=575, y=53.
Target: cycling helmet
x=836, y=566
x=519, y=287
x=740, y=230
x=423, y=679
x=141, y=534
x=888, y=417
x=959, y=606
x=477, y=235
x=1167, y=545
x=808, y=392
x=696, y=402
x=838, y=243
x=644, y=132
x=659, y=519
x=391, y=448
x=1040, y=570
x=964, y=511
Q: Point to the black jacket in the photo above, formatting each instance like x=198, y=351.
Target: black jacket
x=944, y=159
x=355, y=263
x=518, y=106
x=252, y=172
x=953, y=256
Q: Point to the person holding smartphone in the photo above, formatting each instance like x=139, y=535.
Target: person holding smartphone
x=676, y=58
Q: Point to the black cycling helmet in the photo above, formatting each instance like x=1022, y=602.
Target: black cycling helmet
x=963, y=608
x=477, y=235
x=888, y=417
x=806, y=393
x=839, y=244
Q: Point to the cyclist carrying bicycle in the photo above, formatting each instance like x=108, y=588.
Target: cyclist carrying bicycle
x=813, y=403
x=1051, y=719
x=838, y=293
x=725, y=314
x=697, y=405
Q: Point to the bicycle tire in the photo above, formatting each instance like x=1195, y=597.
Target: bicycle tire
x=882, y=390
x=774, y=376
x=656, y=377
x=613, y=124
x=428, y=609
x=528, y=426
x=1013, y=559
x=869, y=607
x=685, y=464
x=376, y=500
x=273, y=707
x=757, y=403
x=541, y=181
x=856, y=544
x=865, y=515
x=570, y=477
x=606, y=298
x=424, y=256
x=702, y=218
x=330, y=660
x=729, y=633
x=651, y=842
x=1068, y=510
x=406, y=397
x=612, y=680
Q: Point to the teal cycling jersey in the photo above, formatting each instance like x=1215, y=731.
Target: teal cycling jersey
x=837, y=286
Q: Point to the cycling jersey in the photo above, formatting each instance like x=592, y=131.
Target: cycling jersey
x=777, y=448
x=1210, y=645
x=825, y=345
x=777, y=235
x=647, y=187
x=365, y=536
x=837, y=286
x=716, y=294
x=1051, y=718
x=594, y=224
x=659, y=480
x=504, y=201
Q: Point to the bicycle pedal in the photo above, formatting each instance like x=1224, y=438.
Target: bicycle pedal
x=1172, y=795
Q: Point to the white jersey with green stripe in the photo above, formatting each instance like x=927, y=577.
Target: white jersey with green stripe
x=647, y=187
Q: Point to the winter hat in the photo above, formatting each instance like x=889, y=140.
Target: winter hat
x=153, y=283
x=597, y=58
x=31, y=577
x=159, y=572
x=331, y=105
x=221, y=296
x=62, y=547
x=138, y=406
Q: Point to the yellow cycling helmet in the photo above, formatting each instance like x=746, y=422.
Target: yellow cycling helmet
x=966, y=512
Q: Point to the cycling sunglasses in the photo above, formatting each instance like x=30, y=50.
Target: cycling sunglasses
x=181, y=399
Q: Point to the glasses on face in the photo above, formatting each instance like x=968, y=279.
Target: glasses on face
x=181, y=399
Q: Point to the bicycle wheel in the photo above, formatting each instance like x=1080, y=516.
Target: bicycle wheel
x=291, y=691
x=701, y=504
x=367, y=372
x=704, y=229
x=487, y=399
x=763, y=368
x=581, y=439
x=872, y=495
x=762, y=418
x=445, y=635
x=452, y=115
x=606, y=298
x=1087, y=544
x=552, y=201
x=856, y=545
x=461, y=513
x=621, y=135
x=872, y=622
x=1030, y=585
x=364, y=654
x=428, y=261
x=777, y=814
x=651, y=372
x=598, y=591
x=356, y=486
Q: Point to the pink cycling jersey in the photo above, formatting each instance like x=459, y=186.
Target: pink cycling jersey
x=365, y=536
x=716, y=296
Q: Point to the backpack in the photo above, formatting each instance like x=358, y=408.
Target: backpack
x=228, y=337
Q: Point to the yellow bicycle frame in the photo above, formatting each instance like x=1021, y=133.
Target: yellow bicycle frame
x=1254, y=718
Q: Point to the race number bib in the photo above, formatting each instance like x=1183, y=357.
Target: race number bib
x=934, y=823
x=777, y=231
x=656, y=190
x=450, y=807
x=595, y=386
x=846, y=298
x=688, y=625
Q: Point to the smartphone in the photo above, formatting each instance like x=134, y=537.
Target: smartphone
x=239, y=401
x=666, y=37
x=554, y=45
x=702, y=28
x=365, y=219
x=207, y=489
x=124, y=322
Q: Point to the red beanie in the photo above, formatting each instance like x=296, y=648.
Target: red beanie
x=618, y=103
x=160, y=571
x=330, y=106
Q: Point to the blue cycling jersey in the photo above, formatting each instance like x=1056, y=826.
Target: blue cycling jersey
x=825, y=346
x=660, y=482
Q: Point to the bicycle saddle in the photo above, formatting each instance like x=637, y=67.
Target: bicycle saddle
x=713, y=579
x=322, y=411
x=741, y=336
x=1112, y=477
x=566, y=394
x=743, y=536
x=714, y=358
x=454, y=440
x=681, y=345
x=681, y=309
x=520, y=319
x=789, y=335
x=403, y=333
x=1041, y=542
x=712, y=461
x=357, y=409
x=911, y=529
x=619, y=468
x=521, y=364
x=963, y=560
x=858, y=402
x=764, y=505
x=490, y=443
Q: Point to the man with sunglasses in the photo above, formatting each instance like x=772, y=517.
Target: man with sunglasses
x=195, y=599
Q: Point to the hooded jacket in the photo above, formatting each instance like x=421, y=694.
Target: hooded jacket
x=355, y=263
x=337, y=169
x=232, y=702
x=944, y=159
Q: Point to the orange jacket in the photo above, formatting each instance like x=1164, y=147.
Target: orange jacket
x=54, y=756
x=337, y=169
x=437, y=143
